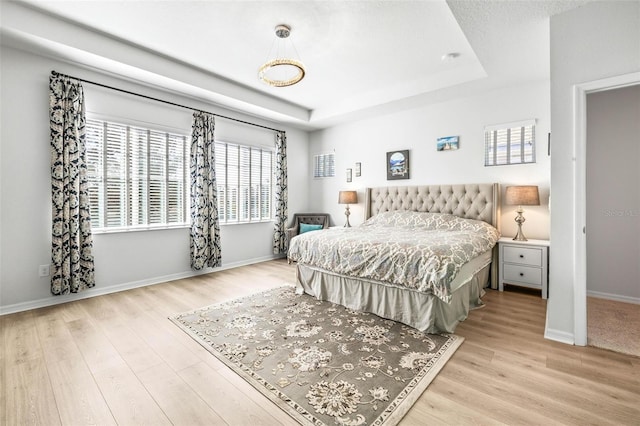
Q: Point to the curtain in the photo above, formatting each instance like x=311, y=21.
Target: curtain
x=205, y=228
x=71, y=248
x=279, y=236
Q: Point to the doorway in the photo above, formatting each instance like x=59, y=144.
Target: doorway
x=580, y=211
x=613, y=219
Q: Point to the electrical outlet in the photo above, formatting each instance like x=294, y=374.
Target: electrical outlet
x=43, y=270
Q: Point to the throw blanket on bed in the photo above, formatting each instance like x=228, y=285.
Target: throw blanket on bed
x=420, y=251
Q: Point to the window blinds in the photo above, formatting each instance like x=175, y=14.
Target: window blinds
x=511, y=143
x=137, y=176
x=244, y=176
x=324, y=165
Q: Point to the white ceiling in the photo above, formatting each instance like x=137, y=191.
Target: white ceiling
x=360, y=56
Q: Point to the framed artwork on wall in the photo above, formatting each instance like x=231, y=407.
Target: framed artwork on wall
x=398, y=165
x=447, y=143
x=348, y=175
x=358, y=169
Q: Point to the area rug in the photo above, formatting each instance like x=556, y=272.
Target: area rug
x=320, y=362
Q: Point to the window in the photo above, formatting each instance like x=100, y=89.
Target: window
x=324, y=165
x=244, y=175
x=512, y=143
x=137, y=176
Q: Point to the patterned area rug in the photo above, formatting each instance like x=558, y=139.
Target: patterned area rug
x=320, y=362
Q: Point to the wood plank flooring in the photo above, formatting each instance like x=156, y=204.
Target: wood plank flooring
x=116, y=359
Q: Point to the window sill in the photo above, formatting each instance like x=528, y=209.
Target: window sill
x=120, y=230
x=255, y=222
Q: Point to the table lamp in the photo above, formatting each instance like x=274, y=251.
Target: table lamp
x=347, y=197
x=521, y=196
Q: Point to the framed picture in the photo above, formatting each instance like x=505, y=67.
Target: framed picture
x=448, y=143
x=348, y=175
x=358, y=169
x=398, y=165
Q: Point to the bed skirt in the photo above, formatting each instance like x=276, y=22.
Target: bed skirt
x=424, y=312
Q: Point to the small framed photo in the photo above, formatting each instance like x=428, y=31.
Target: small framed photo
x=448, y=143
x=398, y=165
x=348, y=175
x=358, y=169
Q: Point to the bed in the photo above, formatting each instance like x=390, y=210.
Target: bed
x=422, y=257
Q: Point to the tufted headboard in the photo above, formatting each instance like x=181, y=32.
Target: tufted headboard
x=471, y=201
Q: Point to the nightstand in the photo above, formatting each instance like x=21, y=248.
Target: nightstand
x=524, y=263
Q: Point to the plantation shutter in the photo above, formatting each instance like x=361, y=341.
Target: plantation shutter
x=221, y=179
x=324, y=165
x=176, y=176
x=245, y=181
x=511, y=143
x=138, y=176
x=116, y=174
x=256, y=172
x=244, y=175
x=94, y=145
x=265, y=184
x=157, y=179
x=233, y=180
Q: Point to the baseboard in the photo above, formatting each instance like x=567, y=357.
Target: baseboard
x=615, y=297
x=559, y=336
x=93, y=292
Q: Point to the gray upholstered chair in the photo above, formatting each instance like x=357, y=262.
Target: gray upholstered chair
x=308, y=218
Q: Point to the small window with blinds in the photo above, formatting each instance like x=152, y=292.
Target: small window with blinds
x=324, y=165
x=137, y=176
x=244, y=176
x=511, y=143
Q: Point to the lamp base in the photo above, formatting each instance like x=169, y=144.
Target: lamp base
x=520, y=220
x=520, y=236
x=347, y=213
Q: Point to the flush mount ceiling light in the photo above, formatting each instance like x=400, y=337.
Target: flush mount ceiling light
x=283, y=70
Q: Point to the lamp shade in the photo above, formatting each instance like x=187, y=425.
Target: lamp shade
x=348, y=197
x=522, y=196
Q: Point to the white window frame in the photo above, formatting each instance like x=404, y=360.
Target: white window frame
x=99, y=182
x=229, y=179
x=512, y=142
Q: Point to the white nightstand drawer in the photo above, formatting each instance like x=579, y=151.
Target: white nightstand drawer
x=523, y=255
x=524, y=263
x=523, y=274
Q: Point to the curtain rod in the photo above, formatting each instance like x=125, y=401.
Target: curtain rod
x=163, y=101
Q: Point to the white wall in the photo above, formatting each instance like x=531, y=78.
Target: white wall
x=367, y=141
x=595, y=41
x=613, y=194
x=122, y=259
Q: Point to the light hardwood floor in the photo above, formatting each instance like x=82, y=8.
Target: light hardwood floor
x=116, y=359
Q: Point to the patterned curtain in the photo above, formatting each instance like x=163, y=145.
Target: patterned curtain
x=205, y=229
x=279, y=235
x=71, y=255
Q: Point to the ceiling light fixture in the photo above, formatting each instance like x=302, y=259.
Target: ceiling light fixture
x=283, y=70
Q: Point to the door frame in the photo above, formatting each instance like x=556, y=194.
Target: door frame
x=580, y=92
